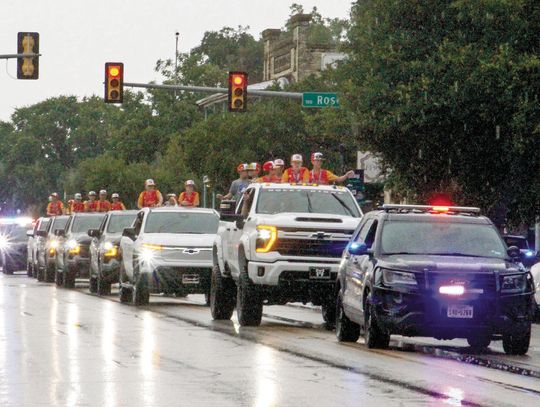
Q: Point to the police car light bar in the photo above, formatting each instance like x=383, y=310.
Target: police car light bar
x=431, y=208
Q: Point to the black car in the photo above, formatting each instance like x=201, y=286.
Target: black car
x=443, y=272
x=528, y=256
x=104, y=250
x=13, y=243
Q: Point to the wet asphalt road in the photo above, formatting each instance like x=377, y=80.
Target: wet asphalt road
x=68, y=348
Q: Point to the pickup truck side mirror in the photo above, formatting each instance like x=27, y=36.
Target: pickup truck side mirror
x=514, y=253
x=94, y=233
x=60, y=232
x=41, y=233
x=240, y=222
x=129, y=232
x=30, y=233
x=358, y=249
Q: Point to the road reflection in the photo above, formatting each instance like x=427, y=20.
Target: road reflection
x=108, y=337
x=73, y=378
x=148, y=358
x=266, y=387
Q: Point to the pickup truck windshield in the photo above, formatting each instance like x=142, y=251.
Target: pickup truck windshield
x=182, y=222
x=441, y=238
x=44, y=223
x=118, y=223
x=58, y=224
x=83, y=223
x=280, y=200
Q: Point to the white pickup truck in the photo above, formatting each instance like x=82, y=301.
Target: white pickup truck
x=283, y=244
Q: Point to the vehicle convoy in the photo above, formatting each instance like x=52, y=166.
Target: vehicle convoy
x=13, y=244
x=167, y=250
x=443, y=272
x=283, y=244
x=104, y=250
x=528, y=256
x=34, y=243
x=46, y=256
x=73, y=253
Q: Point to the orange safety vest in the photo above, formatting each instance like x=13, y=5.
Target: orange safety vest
x=297, y=178
x=268, y=178
x=149, y=198
x=55, y=208
x=77, y=207
x=104, y=206
x=191, y=198
x=321, y=178
x=92, y=206
x=117, y=206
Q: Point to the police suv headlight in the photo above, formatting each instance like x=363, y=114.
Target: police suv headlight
x=393, y=277
x=266, y=237
x=514, y=283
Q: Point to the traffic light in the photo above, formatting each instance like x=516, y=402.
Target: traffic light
x=114, y=82
x=27, y=43
x=238, y=91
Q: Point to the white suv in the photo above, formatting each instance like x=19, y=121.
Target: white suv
x=168, y=250
x=283, y=244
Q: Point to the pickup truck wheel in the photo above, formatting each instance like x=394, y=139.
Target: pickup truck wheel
x=328, y=307
x=93, y=285
x=69, y=277
x=34, y=270
x=346, y=330
x=249, y=304
x=40, y=274
x=49, y=274
x=58, y=278
x=517, y=343
x=222, y=295
x=141, y=293
x=103, y=287
x=374, y=336
x=29, y=271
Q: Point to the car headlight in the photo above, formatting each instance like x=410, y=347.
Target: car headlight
x=149, y=251
x=266, y=237
x=53, y=244
x=4, y=243
x=111, y=250
x=73, y=247
x=393, y=277
x=514, y=283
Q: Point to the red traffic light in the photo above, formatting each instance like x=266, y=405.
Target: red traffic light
x=238, y=80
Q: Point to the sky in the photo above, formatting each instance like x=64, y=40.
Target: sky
x=78, y=36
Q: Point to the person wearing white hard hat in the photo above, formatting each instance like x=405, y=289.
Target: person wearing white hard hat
x=150, y=197
x=77, y=205
x=103, y=203
x=320, y=176
x=189, y=197
x=117, y=204
x=92, y=204
x=279, y=166
x=296, y=174
x=55, y=207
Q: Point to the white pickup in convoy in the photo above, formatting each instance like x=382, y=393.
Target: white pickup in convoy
x=283, y=244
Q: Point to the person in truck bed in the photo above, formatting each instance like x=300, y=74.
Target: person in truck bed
x=321, y=176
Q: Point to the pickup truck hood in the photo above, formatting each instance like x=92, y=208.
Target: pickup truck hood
x=447, y=263
x=81, y=238
x=316, y=221
x=177, y=239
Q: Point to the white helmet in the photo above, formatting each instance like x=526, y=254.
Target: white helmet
x=297, y=158
x=279, y=163
x=115, y=195
x=149, y=182
x=78, y=196
x=92, y=193
x=103, y=192
x=190, y=182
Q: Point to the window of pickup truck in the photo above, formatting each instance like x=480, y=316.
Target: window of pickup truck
x=280, y=200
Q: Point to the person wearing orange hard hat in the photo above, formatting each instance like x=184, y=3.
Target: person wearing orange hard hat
x=117, y=204
x=270, y=176
x=238, y=186
x=55, y=207
x=320, y=176
x=150, y=197
x=189, y=197
x=296, y=173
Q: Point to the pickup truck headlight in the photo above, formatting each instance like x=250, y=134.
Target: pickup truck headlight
x=73, y=247
x=111, y=250
x=393, y=277
x=149, y=251
x=53, y=245
x=514, y=283
x=266, y=237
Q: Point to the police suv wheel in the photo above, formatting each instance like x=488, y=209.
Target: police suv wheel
x=517, y=342
x=374, y=336
x=346, y=330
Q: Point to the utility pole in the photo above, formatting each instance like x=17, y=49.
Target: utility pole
x=177, y=35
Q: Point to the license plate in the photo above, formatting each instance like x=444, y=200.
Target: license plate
x=319, y=273
x=190, y=279
x=459, y=311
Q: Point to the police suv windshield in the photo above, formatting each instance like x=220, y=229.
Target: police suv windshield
x=118, y=223
x=280, y=200
x=441, y=238
x=83, y=223
x=182, y=222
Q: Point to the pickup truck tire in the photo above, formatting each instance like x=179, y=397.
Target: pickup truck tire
x=69, y=277
x=103, y=287
x=222, y=295
x=328, y=308
x=346, y=330
x=141, y=293
x=49, y=274
x=93, y=285
x=29, y=271
x=517, y=343
x=249, y=304
x=58, y=278
x=40, y=274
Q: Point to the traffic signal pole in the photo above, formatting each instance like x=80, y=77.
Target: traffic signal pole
x=10, y=56
x=204, y=89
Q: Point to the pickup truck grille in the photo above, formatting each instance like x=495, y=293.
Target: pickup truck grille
x=85, y=251
x=311, y=248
